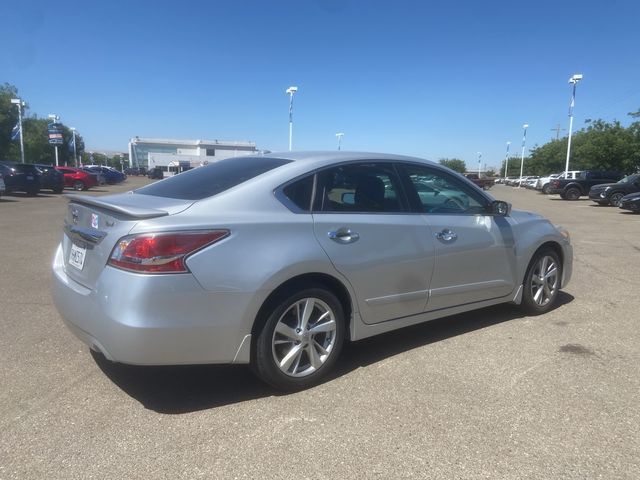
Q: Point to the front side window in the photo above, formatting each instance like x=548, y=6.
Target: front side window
x=438, y=192
x=362, y=188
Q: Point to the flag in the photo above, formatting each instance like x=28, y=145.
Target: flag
x=15, y=132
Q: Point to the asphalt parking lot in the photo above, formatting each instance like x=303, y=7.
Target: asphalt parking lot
x=488, y=394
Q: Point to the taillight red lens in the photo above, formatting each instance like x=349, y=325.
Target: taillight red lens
x=161, y=252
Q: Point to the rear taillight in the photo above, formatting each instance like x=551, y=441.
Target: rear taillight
x=161, y=252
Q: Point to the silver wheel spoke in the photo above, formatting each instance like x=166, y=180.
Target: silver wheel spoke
x=320, y=348
x=286, y=331
x=314, y=358
x=290, y=357
x=538, y=294
x=309, y=304
x=329, y=326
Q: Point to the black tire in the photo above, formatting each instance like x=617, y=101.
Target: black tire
x=58, y=190
x=572, y=193
x=546, y=189
x=33, y=191
x=614, y=199
x=78, y=185
x=299, y=373
x=531, y=302
x=563, y=196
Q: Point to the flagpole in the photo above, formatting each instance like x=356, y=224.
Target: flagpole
x=574, y=80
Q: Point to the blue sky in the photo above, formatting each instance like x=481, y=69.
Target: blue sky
x=432, y=79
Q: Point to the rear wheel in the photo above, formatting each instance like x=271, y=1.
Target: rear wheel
x=58, y=190
x=615, y=199
x=546, y=189
x=572, y=194
x=78, y=185
x=300, y=341
x=542, y=282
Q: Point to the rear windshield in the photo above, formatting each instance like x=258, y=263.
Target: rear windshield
x=203, y=182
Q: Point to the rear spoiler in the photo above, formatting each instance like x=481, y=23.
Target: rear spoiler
x=128, y=210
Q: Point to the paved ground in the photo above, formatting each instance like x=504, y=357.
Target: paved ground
x=491, y=394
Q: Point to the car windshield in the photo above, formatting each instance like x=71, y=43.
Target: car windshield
x=207, y=181
x=629, y=179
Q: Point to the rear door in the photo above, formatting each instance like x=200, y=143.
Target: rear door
x=361, y=220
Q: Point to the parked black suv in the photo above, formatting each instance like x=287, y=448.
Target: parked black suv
x=21, y=177
x=580, y=186
x=155, y=172
x=612, y=193
x=51, y=178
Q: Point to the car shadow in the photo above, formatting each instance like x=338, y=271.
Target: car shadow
x=190, y=388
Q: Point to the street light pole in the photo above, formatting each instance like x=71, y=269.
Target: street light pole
x=75, y=152
x=524, y=140
x=20, y=104
x=339, y=137
x=479, y=163
x=573, y=80
x=506, y=160
x=291, y=90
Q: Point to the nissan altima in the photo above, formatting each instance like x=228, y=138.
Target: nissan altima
x=277, y=260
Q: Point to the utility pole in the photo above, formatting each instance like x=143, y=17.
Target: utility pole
x=557, y=130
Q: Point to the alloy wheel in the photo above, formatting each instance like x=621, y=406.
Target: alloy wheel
x=544, y=281
x=304, y=337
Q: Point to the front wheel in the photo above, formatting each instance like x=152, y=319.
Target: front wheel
x=546, y=189
x=615, y=199
x=542, y=282
x=572, y=194
x=301, y=340
x=78, y=185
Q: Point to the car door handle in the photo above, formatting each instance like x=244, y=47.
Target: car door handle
x=343, y=235
x=446, y=235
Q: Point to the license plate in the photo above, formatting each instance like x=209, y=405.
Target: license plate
x=76, y=256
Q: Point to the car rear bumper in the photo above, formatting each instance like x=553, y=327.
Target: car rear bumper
x=153, y=319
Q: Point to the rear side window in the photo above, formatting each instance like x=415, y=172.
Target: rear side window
x=203, y=182
x=299, y=193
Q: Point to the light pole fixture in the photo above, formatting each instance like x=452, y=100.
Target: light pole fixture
x=20, y=104
x=506, y=160
x=524, y=140
x=479, y=163
x=75, y=152
x=339, y=137
x=574, y=81
x=291, y=90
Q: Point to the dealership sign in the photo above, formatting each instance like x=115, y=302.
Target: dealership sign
x=55, y=133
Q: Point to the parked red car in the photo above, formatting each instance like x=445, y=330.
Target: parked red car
x=77, y=179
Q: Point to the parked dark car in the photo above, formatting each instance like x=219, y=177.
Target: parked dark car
x=574, y=189
x=155, y=173
x=612, y=193
x=135, y=171
x=51, y=178
x=484, y=183
x=77, y=179
x=21, y=177
x=111, y=175
x=631, y=202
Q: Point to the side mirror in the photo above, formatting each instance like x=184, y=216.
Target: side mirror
x=500, y=208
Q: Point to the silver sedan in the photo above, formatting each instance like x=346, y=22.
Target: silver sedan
x=276, y=260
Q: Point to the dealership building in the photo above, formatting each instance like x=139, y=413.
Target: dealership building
x=177, y=155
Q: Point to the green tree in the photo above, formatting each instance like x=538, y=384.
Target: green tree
x=454, y=164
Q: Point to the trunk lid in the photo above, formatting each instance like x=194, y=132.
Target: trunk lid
x=93, y=226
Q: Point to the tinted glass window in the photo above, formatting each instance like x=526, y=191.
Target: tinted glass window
x=364, y=188
x=203, y=182
x=299, y=192
x=441, y=193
